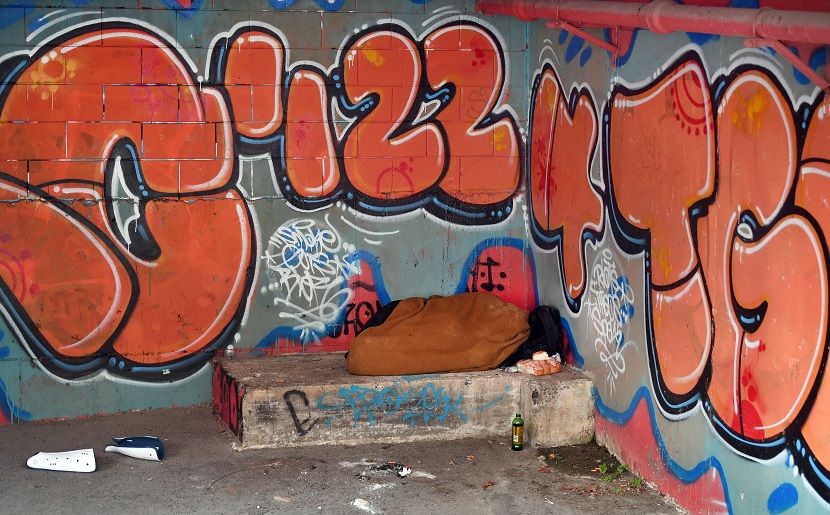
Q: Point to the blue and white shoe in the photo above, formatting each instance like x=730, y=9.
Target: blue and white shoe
x=142, y=447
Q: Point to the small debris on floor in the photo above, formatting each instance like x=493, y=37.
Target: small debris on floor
x=363, y=504
x=387, y=469
x=379, y=486
x=487, y=485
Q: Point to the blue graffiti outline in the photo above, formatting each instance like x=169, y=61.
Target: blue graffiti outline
x=19, y=321
x=474, y=254
x=295, y=335
x=817, y=58
x=815, y=467
x=622, y=59
x=7, y=407
x=13, y=13
x=617, y=290
x=11, y=412
x=685, y=475
x=185, y=12
x=621, y=285
x=7, y=84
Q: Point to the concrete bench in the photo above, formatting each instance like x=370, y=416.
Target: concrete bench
x=310, y=399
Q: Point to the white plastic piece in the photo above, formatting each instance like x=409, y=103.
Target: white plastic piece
x=144, y=453
x=363, y=504
x=82, y=460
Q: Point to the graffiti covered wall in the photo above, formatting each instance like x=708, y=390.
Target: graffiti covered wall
x=694, y=259
x=179, y=177
x=183, y=176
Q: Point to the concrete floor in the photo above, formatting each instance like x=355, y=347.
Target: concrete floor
x=201, y=473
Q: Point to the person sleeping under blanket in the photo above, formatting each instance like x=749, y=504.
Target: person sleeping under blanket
x=458, y=333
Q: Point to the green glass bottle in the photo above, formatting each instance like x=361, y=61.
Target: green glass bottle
x=518, y=433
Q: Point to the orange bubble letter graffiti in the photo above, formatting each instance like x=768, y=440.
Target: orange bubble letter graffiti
x=567, y=208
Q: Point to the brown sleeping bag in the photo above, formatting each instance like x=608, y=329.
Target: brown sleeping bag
x=463, y=332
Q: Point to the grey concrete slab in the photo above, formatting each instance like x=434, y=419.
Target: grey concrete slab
x=203, y=474
x=311, y=399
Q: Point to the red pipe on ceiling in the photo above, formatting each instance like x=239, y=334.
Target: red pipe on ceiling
x=665, y=16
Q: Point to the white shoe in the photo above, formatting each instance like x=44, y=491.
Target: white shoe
x=82, y=460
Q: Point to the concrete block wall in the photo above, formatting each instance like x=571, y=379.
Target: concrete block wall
x=180, y=176
x=684, y=190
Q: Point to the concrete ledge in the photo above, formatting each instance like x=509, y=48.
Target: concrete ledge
x=310, y=399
